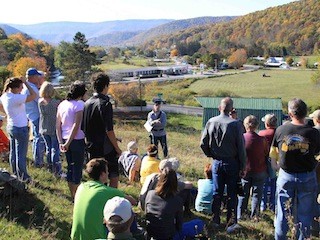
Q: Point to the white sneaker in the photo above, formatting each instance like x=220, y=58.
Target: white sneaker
x=234, y=227
x=63, y=175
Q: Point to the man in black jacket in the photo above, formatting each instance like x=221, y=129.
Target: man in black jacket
x=97, y=125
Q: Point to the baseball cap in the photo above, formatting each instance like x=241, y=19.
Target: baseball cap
x=32, y=72
x=165, y=163
x=171, y=163
x=132, y=146
x=270, y=119
x=117, y=206
x=42, y=73
x=315, y=114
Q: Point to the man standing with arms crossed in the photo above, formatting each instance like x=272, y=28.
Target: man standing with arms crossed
x=33, y=114
x=295, y=144
x=97, y=125
x=222, y=140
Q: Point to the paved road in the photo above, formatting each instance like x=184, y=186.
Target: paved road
x=171, y=108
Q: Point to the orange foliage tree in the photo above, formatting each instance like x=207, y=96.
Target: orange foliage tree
x=126, y=94
x=238, y=58
x=19, y=67
x=174, y=52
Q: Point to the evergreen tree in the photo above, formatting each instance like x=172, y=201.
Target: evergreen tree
x=75, y=59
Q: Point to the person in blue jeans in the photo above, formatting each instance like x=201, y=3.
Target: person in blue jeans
x=48, y=106
x=13, y=104
x=294, y=145
x=222, y=140
x=33, y=115
x=269, y=188
x=257, y=150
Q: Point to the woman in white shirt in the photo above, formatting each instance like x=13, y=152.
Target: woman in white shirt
x=12, y=102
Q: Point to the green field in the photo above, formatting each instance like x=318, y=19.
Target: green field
x=284, y=84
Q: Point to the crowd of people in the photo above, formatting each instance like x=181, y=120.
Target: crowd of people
x=274, y=166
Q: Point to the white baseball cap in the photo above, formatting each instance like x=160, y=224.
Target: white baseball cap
x=117, y=206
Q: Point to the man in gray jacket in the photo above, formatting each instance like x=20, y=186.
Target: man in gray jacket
x=158, y=120
x=222, y=140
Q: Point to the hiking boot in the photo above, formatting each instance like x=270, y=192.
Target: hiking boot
x=234, y=227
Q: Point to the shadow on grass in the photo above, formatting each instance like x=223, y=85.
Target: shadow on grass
x=26, y=210
x=55, y=191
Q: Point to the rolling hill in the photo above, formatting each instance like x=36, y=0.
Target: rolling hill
x=9, y=30
x=55, y=32
x=290, y=29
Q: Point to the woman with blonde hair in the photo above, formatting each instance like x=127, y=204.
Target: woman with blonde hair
x=12, y=102
x=257, y=150
x=48, y=106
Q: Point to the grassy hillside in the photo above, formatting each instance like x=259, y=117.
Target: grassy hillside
x=281, y=84
x=174, y=27
x=45, y=211
x=284, y=84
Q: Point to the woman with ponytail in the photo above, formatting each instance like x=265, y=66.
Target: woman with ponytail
x=69, y=134
x=12, y=102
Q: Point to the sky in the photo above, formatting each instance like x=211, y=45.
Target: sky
x=35, y=11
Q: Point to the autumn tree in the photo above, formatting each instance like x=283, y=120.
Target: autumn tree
x=75, y=59
x=174, y=52
x=289, y=61
x=4, y=74
x=126, y=94
x=19, y=67
x=238, y=58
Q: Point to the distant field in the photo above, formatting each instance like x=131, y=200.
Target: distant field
x=311, y=59
x=134, y=62
x=284, y=84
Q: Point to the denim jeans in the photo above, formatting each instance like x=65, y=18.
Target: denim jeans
x=75, y=159
x=19, y=138
x=225, y=173
x=269, y=201
x=296, y=194
x=163, y=141
x=254, y=181
x=53, y=153
x=38, y=145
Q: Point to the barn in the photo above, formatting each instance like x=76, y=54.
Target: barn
x=258, y=107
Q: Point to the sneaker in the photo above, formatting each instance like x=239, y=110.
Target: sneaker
x=234, y=227
x=63, y=175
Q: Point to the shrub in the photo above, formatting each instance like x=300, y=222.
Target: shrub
x=127, y=94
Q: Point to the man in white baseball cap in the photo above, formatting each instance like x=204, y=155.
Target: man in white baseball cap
x=118, y=217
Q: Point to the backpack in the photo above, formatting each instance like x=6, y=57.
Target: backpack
x=10, y=183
